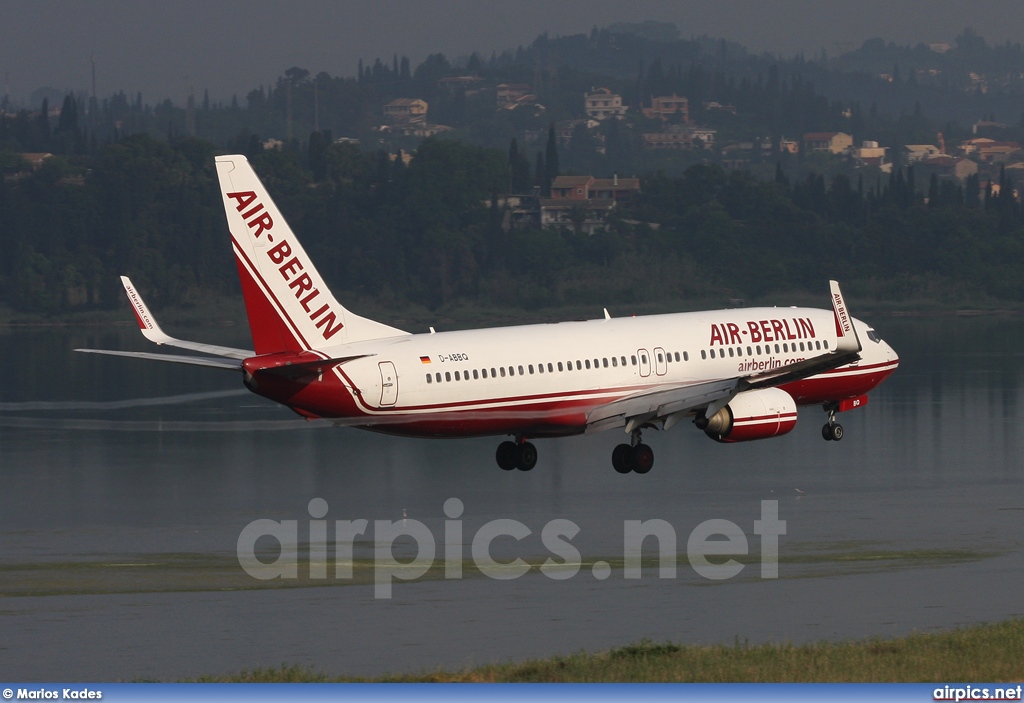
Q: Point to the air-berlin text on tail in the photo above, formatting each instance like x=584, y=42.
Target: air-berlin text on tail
x=841, y=317
x=290, y=267
x=729, y=333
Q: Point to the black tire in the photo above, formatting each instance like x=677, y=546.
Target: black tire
x=642, y=458
x=826, y=432
x=507, y=455
x=621, y=458
x=526, y=457
x=837, y=433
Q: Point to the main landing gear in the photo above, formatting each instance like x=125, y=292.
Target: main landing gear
x=635, y=456
x=831, y=431
x=516, y=455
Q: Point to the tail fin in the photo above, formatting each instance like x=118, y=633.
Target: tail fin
x=289, y=306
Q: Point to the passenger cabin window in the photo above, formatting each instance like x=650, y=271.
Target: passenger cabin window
x=552, y=370
x=448, y=376
x=615, y=362
x=825, y=343
x=438, y=377
x=623, y=360
x=730, y=351
x=750, y=352
x=430, y=379
x=677, y=356
x=521, y=371
x=660, y=358
x=502, y=369
x=457, y=376
x=633, y=359
x=531, y=369
x=604, y=362
x=643, y=358
x=686, y=356
x=476, y=374
x=703, y=354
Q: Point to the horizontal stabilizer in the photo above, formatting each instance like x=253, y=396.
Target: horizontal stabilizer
x=172, y=358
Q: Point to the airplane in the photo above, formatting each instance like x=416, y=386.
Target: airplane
x=737, y=374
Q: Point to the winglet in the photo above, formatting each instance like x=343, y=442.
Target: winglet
x=846, y=333
x=147, y=323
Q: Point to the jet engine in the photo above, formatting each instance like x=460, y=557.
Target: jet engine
x=760, y=414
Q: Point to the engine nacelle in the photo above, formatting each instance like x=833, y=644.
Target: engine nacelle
x=769, y=412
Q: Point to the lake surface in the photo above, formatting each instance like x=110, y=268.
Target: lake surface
x=124, y=487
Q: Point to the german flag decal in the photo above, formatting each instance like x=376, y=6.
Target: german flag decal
x=424, y=359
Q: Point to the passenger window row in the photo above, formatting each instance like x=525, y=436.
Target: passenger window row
x=549, y=367
x=784, y=348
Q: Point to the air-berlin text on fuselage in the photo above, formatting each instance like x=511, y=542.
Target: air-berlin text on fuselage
x=260, y=221
x=727, y=334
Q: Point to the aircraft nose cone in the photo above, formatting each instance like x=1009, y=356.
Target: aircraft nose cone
x=891, y=355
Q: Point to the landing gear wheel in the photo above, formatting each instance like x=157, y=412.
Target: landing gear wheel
x=621, y=458
x=507, y=455
x=526, y=457
x=832, y=432
x=642, y=458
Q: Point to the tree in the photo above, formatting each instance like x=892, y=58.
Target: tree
x=551, y=169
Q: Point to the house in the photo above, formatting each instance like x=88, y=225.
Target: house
x=789, y=146
x=405, y=110
x=998, y=152
x=510, y=93
x=603, y=103
x=589, y=188
x=36, y=159
x=912, y=153
x=668, y=106
x=827, y=142
x=870, y=154
x=584, y=216
x=680, y=137
x=945, y=167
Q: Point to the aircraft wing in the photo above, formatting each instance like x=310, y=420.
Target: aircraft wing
x=670, y=404
x=151, y=330
x=173, y=358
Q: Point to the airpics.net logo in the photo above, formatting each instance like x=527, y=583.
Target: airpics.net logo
x=710, y=548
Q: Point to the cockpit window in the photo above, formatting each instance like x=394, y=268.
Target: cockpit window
x=873, y=336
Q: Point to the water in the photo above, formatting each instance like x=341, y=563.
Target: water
x=912, y=522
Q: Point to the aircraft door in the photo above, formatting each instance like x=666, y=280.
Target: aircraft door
x=645, y=362
x=388, y=383
x=660, y=361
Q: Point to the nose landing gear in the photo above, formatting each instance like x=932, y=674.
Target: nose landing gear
x=832, y=431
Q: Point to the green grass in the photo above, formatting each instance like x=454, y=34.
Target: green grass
x=989, y=652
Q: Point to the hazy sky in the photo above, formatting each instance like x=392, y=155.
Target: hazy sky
x=162, y=47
